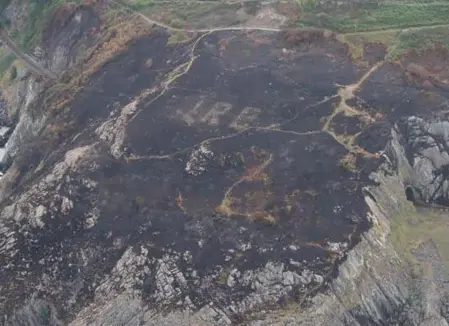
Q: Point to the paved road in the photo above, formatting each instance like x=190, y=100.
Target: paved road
x=25, y=58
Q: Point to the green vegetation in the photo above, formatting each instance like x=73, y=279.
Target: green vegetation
x=419, y=39
x=222, y=278
x=140, y=4
x=357, y=42
x=397, y=42
x=6, y=61
x=188, y=15
x=177, y=37
x=384, y=16
x=307, y=5
x=194, y=12
x=400, y=25
x=38, y=14
x=411, y=227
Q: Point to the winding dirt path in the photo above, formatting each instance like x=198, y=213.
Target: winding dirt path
x=345, y=93
x=40, y=70
x=200, y=30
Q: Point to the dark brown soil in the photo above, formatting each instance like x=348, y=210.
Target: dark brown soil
x=433, y=59
x=374, y=52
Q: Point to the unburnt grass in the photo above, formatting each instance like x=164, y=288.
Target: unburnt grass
x=400, y=26
x=383, y=16
x=192, y=14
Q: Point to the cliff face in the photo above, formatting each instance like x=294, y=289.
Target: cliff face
x=393, y=276
x=71, y=31
x=28, y=126
x=388, y=278
x=192, y=183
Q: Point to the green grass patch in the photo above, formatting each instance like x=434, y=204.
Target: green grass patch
x=6, y=62
x=306, y=4
x=411, y=227
x=188, y=15
x=416, y=2
x=39, y=13
x=397, y=42
x=182, y=9
x=356, y=42
x=140, y=4
x=418, y=39
x=177, y=37
x=191, y=12
x=381, y=17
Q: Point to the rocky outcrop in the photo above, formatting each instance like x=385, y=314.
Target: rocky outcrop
x=68, y=35
x=72, y=31
x=380, y=283
x=426, y=145
x=30, y=122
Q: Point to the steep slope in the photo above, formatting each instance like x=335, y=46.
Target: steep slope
x=240, y=176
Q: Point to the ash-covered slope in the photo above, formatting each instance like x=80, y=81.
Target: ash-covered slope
x=216, y=181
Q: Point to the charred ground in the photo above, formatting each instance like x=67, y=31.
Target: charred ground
x=235, y=151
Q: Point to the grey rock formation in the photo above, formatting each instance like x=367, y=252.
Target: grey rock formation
x=26, y=120
x=30, y=120
x=64, y=44
x=36, y=312
x=426, y=144
x=377, y=284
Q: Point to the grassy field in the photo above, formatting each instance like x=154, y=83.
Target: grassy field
x=401, y=25
x=385, y=23
x=384, y=16
x=185, y=14
x=381, y=23
x=397, y=42
x=416, y=39
x=6, y=61
x=410, y=228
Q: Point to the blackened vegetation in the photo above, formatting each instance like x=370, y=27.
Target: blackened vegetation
x=310, y=199
x=230, y=165
x=346, y=125
x=375, y=137
x=388, y=93
x=307, y=36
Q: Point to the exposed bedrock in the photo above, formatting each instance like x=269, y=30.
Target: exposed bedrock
x=242, y=177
